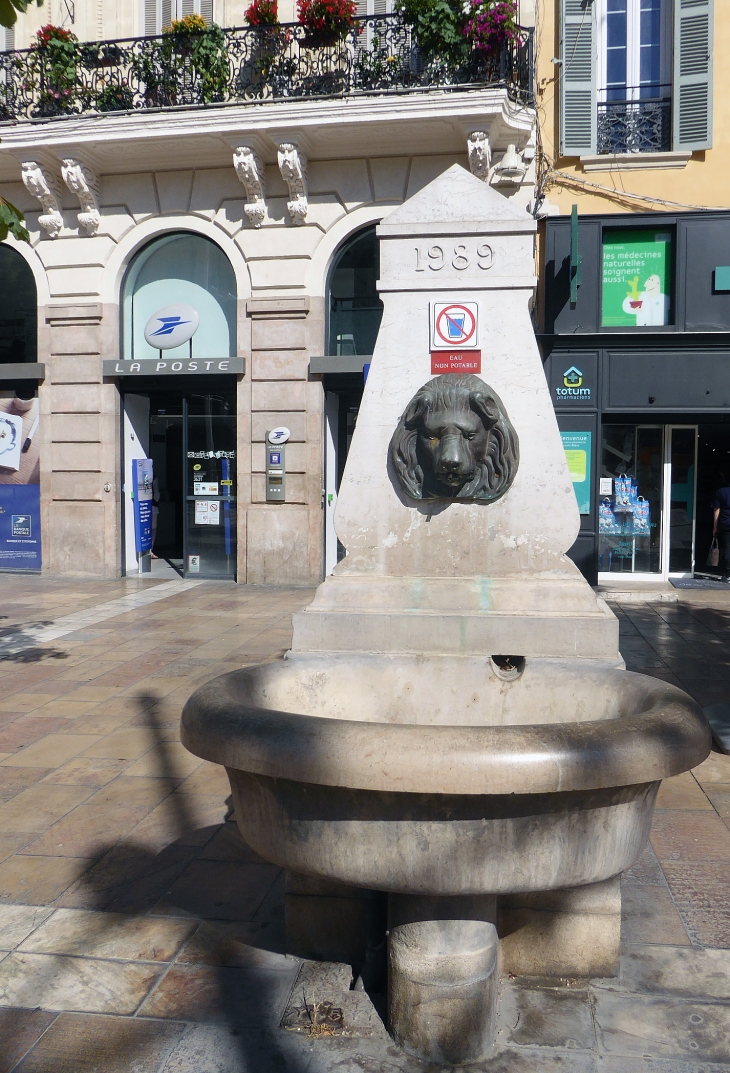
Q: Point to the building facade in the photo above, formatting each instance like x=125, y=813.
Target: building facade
x=241, y=200
x=633, y=152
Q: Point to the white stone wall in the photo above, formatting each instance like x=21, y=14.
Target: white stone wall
x=281, y=273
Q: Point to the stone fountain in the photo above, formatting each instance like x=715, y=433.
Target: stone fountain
x=453, y=724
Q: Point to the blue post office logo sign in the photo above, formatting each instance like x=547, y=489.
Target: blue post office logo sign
x=21, y=525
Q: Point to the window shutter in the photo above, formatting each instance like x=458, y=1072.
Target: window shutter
x=692, y=89
x=187, y=7
x=7, y=39
x=578, y=110
x=206, y=10
x=166, y=14
x=151, y=20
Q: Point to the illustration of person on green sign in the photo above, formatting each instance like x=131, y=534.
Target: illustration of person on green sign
x=650, y=306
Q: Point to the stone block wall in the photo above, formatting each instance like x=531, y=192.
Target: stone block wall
x=79, y=483
x=281, y=273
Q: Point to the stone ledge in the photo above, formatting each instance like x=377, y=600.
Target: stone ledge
x=635, y=161
x=275, y=307
x=88, y=313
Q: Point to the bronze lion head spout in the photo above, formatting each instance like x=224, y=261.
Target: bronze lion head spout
x=455, y=441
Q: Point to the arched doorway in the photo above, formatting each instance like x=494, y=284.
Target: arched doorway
x=354, y=312
x=182, y=418
x=20, y=515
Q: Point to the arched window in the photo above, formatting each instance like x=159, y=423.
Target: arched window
x=18, y=309
x=181, y=268
x=354, y=309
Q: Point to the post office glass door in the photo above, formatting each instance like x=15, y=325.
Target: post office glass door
x=210, y=493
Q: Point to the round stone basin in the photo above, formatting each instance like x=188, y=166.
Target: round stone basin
x=439, y=776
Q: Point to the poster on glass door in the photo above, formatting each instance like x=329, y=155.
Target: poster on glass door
x=20, y=492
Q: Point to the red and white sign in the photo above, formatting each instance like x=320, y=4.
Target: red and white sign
x=456, y=361
x=454, y=325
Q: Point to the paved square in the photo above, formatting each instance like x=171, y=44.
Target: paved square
x=138, y=934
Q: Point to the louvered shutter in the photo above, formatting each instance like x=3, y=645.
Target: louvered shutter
x=578, y=119
x=187, y=7
x=151, y=17
x=7, y=39
x=692, y=90
x=206, y=10
x=166, y=13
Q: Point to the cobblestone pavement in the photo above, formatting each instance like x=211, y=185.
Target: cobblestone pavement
x=138, y=934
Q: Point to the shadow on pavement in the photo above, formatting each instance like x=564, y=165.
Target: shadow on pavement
x=235, y=993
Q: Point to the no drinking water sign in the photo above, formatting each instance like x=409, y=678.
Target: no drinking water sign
x=455, y=337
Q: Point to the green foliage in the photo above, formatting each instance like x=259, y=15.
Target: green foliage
x=9, y=10
x=438, y=26
x=53, y=61
x=11, y=222
x=190, y=48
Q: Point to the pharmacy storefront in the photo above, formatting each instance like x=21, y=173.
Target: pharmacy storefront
x=641, y=386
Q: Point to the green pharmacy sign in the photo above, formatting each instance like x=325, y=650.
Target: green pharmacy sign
x=636, y=278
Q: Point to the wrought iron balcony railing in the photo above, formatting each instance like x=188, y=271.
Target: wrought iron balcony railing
x=642, y=126
x=235, y=66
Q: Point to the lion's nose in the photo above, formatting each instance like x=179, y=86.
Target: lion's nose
x=451, y=457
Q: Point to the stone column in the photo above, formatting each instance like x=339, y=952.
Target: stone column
x=81, y=511
x=443, y=977
x=284, y=541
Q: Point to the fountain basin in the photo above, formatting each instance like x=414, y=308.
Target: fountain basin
x=436, y=776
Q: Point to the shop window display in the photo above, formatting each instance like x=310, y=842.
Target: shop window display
x=630, y=499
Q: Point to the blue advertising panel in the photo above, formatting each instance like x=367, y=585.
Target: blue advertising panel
x=142, y=477
x=20, y=493
x=577, y=447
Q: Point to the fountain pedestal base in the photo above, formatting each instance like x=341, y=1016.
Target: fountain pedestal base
x=443, y=984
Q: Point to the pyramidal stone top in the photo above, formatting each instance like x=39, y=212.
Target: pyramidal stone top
x=456, y=500
x=457, y=197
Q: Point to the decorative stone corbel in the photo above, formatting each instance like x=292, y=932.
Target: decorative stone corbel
x=510, y=170
x=45, y=187
x=250, y=170
x=293, y=168
x=82, y=181
x=480, y=154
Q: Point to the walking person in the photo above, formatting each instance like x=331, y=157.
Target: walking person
x=721, y=523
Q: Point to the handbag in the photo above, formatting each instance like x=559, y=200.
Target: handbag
x=713, y=558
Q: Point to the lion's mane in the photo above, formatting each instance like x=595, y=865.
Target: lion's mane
x=455, y=391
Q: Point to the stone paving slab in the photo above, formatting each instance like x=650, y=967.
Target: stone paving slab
x=151, y=938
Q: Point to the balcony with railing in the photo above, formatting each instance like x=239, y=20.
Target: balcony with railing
x=246, y=65
x=637, y=123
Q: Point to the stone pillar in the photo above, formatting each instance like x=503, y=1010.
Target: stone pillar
x=284, y=541
x=81, y=529
x=443, y=982
x=443, y=976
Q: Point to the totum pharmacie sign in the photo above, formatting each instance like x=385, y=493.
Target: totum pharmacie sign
x=571, y=387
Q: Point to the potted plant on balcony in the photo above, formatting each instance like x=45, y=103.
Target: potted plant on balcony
x=326, y=22
x=187, y=65
x=489, y=25
x=54, y=57
x=438, y=31
x=267, y=67
x=204, y=45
